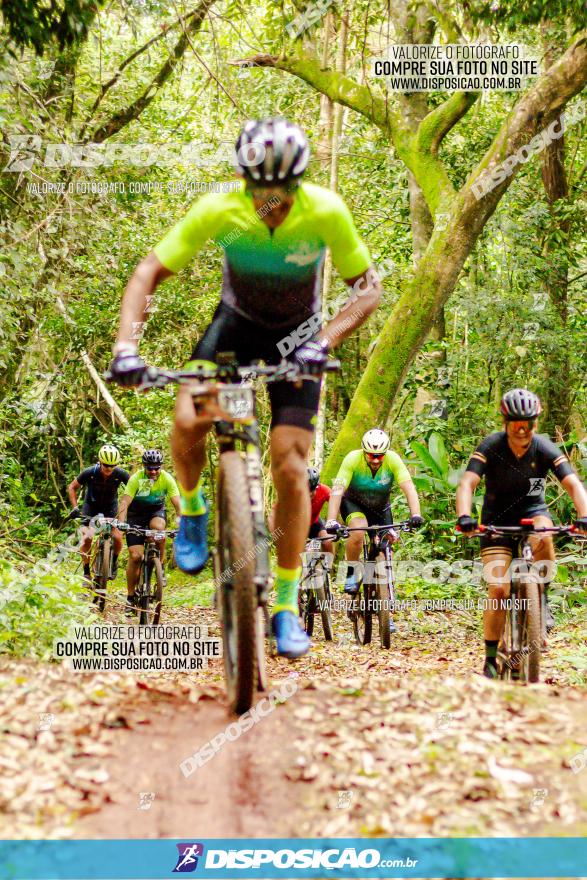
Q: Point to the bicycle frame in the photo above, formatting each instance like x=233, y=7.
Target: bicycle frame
x=224, y=396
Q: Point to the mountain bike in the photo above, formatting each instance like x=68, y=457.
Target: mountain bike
x=148, y=595
x=520, y=647
x=242, y=570
x=376, y=594
x=314, y=596
x=103, y=557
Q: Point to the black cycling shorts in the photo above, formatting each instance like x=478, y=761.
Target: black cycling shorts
x=90, y=510
x=316, y=528
x=230, y=331
x=143, y=521
x=375, y=516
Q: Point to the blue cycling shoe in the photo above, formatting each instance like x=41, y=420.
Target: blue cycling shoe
x=352, y=585
x=291, y=639
x=392, y=626
x=191, y=543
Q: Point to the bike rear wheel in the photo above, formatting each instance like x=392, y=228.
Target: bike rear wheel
x=236, y=560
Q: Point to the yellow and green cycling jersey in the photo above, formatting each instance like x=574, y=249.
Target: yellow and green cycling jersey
x=150, y=494
x=368, y=489
x=271, y=276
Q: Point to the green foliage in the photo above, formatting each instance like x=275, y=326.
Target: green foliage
x=35, y=609
x=37, y=23
x=436, y=481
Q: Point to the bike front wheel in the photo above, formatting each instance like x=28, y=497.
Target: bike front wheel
x=157, y=595
x=323, y=603
x=383, y=614
x=531, y=631
x=145, y=597
x=101, y=574
x=362, y=615
x=236, y=574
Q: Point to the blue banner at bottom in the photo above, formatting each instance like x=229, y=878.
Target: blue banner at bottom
x=419, y=857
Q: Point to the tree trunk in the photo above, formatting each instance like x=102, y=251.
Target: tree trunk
x=327, y=277
x=557, y=395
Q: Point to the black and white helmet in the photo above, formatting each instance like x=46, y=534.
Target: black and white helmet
x=375, y=441
x=152, y=457
x=271, y=151
x=520, y=404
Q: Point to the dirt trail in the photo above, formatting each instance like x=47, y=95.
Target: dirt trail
x=401, y=743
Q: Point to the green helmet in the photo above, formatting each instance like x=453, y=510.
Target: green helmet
x=109, y=455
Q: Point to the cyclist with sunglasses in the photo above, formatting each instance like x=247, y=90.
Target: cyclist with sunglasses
x=274, y=231
x=144, y=504
x=361, y=492
x=515, y=463
x=101, y=482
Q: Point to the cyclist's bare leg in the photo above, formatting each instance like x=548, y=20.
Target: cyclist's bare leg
x=354, y=543
x=327, y=546
x=545, y=561
x=159, y=523
x=135, y=554
x=289, y=454
x=496, y=564
x=86, y=544
x=117, y=541
x=543, y=549
x=188, y=441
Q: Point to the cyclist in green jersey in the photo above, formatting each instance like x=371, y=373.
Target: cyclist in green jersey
x=274, y=232
x=361, y=491
x=143, y=503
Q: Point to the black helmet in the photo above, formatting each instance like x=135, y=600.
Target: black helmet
x=152, y=457
x=271, y=151
x=313, y=478
x=520, y=404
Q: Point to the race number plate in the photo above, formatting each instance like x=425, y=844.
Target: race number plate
x=238, y=402
x=313, y=545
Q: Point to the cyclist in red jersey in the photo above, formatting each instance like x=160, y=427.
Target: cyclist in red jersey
x=319, y=495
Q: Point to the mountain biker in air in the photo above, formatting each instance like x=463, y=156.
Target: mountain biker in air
x=143, y=505
x=319, y=495
x=101, y=482
x=361, y=491
x=515, y=463
x=274, y=232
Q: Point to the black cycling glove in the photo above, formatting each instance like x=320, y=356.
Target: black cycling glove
x=467, y=524
x=128, y=369
x=416, y=521
x=311, y=357
x=581, y=523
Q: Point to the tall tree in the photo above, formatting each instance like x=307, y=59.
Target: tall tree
x=464, y=213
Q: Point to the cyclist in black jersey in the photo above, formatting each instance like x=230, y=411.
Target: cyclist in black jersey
x=101, y=482
x=515, y=463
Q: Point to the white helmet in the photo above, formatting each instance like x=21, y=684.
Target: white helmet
x=375, y=440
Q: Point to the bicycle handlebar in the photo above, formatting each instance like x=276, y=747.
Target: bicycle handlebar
x=285, y=371
x=523, y=529
x=148, y=533
x=343, y=531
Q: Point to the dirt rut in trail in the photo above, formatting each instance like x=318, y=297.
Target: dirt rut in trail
x=236, y=794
